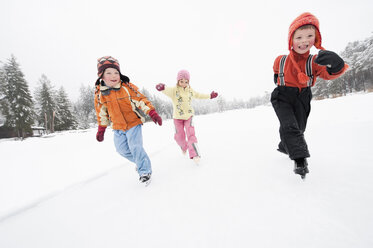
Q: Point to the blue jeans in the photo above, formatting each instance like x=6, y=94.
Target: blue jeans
x=129, y=145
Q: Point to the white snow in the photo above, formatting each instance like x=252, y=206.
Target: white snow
x=68, y=190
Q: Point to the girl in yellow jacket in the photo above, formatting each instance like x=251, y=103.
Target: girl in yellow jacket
x=182, y=96
x=117, y=101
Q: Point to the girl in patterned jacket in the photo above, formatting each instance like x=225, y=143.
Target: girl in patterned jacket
x=117, y=101
x=182, y=95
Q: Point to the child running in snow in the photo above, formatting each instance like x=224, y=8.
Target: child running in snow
x=182, y=96
x=117, y=101
x=294, y=75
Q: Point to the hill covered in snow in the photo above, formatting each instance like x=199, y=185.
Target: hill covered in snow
x=68, y=190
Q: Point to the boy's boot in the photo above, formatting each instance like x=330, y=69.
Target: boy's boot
x=301, y=167
x=145, y=178
x=281, y=148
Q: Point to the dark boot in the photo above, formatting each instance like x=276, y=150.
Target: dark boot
x=281, y=148
x=145, y=178
x=301, y=167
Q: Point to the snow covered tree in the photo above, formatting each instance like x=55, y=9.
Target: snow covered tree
x=335, y=87
x=17, y=104
x=65, y=120
x=2, y=82
x=164, y=108
x=2, y=94
x=221, y=104
x=46, y=106
x=359, y=56
x=320, y=90
x=84, y=109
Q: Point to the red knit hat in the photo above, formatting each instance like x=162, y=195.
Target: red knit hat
x=106, y=62
x=302, y=20
x=305, y=19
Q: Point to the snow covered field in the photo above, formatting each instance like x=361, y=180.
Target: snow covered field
x=68, y=190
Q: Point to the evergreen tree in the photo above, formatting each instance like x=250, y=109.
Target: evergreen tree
x=320, y=90
x=335, y=87
x=221, y=104
x=17, y=103
x=2, y=95
x=84, y=109
x=4, y=104
x=2, y=82
x=65, y=119
x=359, y=77
x=164, y=108
x=46, y=106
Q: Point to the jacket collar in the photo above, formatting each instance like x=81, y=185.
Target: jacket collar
x=298, y=56
x=181, y=88
x=105, y=90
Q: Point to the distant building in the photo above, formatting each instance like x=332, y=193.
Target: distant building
x=38, y=131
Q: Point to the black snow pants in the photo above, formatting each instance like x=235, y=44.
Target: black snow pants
x=292, y=108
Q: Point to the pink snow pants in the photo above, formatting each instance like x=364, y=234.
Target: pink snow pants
x=191, y=143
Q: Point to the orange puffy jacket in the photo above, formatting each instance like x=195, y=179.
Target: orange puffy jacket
x=124, y=106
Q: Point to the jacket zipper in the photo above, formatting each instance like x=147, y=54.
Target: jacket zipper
x=116, y=98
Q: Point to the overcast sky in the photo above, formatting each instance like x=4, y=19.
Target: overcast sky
x=228, y=46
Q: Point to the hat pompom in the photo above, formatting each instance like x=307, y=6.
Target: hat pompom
x=302, y=77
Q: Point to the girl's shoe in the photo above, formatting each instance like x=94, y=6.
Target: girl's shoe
x=196, y=159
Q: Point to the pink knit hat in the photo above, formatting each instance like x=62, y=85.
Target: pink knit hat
x=183, y=74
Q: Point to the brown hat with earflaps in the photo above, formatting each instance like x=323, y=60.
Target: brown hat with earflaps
x=108, y=62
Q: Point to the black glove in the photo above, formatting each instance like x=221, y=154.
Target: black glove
x=331, y=60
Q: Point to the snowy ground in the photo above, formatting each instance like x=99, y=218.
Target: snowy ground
x=71, y=191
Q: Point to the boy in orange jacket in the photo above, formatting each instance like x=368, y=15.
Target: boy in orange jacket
x=294, y=75
x=117, y=101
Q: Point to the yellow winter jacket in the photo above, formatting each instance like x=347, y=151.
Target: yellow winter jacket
x=122, y=105
x=182, y=100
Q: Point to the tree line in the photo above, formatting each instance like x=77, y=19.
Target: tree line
x=20, y=110
x=50, y=108
x=358, y=78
